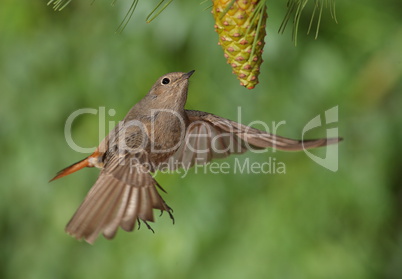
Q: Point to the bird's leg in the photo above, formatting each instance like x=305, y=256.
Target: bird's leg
x=148, y=226
x=170, y=212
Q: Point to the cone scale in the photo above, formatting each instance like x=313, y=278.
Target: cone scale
x=240, y=25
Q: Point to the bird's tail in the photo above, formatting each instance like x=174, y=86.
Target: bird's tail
x=73, y=168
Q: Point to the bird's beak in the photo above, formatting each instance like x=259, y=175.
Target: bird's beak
x=188, y=75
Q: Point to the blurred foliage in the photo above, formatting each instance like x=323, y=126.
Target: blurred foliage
x=295, y=11
x=309, y=223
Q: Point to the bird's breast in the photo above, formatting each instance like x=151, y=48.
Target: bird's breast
x=166, y=133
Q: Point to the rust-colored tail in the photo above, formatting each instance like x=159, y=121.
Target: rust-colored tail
x=70, y=169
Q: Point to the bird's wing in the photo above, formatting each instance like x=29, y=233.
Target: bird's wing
x=124, y=192
x=209, y=136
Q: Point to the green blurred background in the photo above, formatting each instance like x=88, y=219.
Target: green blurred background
x=308, y=223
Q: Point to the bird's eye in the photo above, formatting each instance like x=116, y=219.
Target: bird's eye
x=165, y=81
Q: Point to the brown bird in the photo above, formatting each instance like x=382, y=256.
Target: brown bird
x=158, y=133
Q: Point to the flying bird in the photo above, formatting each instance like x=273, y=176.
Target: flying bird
x=158, y=132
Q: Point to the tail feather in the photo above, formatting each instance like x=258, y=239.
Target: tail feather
x=70, y=169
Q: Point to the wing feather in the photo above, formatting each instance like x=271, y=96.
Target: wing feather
x=211, y=137
x=130, y=214
x=114, y=219
x=121, y=195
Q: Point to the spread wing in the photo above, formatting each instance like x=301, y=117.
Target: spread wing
x=210, y=137
x=124, y=192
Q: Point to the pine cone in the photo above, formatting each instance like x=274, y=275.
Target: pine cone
x=241, y=27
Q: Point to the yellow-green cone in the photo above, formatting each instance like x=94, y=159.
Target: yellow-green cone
x=240, y=25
